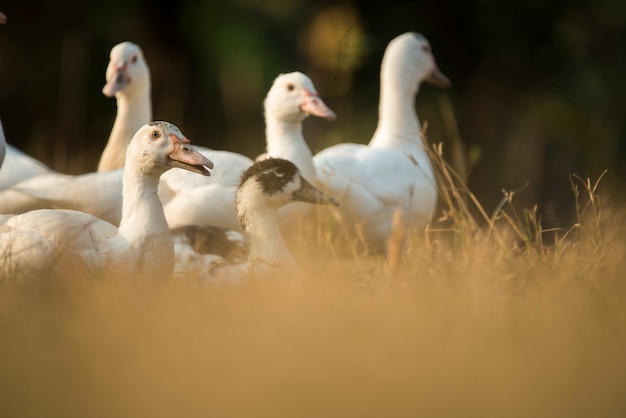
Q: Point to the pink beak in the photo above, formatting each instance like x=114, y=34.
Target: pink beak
x=185, y=156
x=314, y=105
x=117, y=81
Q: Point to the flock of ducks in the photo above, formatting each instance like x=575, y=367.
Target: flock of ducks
x=138, y=217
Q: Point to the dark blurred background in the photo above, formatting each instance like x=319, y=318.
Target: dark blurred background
x=538, y=90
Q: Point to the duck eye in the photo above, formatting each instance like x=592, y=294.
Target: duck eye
x=134, y=59
x=155, y=134
x=426, y=48
x=290, y=87
x=279, y=172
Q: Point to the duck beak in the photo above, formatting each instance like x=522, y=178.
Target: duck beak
x=308, y=193
x=437, y=78
x=186, y=157
x=117, y=81
x=314, y=105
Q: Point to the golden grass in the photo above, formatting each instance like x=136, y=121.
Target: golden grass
x=485, y=316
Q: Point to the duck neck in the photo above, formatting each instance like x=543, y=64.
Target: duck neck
x=133, y=111
x=265, y=241
x=144, y=226
x=285, y=140
x=398, y=125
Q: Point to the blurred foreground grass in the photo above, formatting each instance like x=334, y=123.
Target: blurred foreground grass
x=495, y=321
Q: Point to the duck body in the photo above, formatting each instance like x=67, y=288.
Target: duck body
x=64, y=241
x=97, y=193
x=372, y=202
x=18, y=166
x=75, y=244
x=23, y=196
x=393, y=172
x=207, y=201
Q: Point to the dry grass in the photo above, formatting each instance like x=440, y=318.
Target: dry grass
x=487, y=316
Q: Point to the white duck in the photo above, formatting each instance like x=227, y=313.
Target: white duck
x=264, y=187
x=393, y=171
x=289, y=101
x=128, y=79
x=64, y=243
